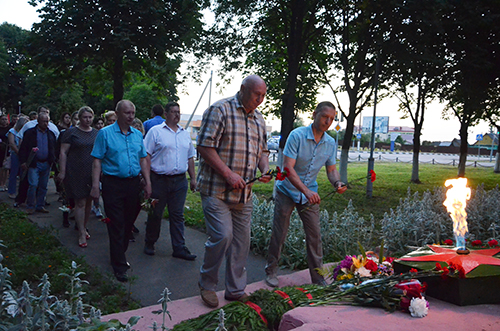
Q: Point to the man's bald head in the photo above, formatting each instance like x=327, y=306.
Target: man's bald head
x=252, y=92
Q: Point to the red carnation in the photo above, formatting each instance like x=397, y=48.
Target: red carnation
x=373, y=175
x=413, y=270
x=372, y=266
x=281, y=175
x=492, y=243
x=446, y=271
x=448, y=242
x=438, y=266
x=476, y=243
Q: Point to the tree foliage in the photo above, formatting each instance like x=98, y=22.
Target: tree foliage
x=472, y=38
x=416, y=62
x=119, y=36
x=12, y=69
x=279, y=40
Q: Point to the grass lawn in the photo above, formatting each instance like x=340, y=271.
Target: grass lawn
x=392, y=183
x=30, y=252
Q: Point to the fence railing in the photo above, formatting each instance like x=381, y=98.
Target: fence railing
x=273, y=158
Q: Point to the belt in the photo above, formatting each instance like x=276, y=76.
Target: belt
x=169, y=176
x=122, y=178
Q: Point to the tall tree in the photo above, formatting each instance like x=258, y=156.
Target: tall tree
x=282, y=39
x=118, y=35
x=356, y=35
x=415, y=62
x=12, y=65
x=473, y=46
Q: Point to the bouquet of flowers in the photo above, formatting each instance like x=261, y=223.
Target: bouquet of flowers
x=149, y=205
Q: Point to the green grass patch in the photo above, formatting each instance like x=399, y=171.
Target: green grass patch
x=31, y=252
x=391, y=185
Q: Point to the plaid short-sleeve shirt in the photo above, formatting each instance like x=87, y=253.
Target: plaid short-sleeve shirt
x=239, y=139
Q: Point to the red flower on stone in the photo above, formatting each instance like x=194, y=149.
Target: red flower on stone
x=476, y=243
x=459, y=268
x=446, y=271
x=492, y=243
x=448, y=242
x=105, y=220
x=413, y=270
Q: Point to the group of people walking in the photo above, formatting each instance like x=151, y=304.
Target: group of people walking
x=126, y=162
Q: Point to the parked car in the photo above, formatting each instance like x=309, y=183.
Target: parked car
x=273, y=144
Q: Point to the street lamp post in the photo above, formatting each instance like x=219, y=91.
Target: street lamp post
x=371, y=160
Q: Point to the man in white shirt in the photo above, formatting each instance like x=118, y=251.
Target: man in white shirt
x=33, y=123
x=172, y=154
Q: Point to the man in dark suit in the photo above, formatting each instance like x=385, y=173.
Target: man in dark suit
x=36, y=154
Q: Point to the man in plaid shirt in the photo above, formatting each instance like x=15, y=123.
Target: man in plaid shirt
x=232, y=144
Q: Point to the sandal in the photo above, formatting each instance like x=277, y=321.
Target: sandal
x=83, y=245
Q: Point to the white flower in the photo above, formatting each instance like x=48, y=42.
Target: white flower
x=363, y=272
x=419, y=307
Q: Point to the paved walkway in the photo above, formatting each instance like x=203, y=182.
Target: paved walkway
x=149, y=274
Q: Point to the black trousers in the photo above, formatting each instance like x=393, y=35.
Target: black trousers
x=121, y=197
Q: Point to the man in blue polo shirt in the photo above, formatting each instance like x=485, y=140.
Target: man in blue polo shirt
x=307, y=150
x=120, y=155
x=157, y=112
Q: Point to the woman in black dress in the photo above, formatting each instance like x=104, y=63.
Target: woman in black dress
x=76, y=168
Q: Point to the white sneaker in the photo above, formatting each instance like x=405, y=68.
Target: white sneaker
x=98, y=213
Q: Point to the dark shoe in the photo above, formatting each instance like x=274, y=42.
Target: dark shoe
x=184, y=254
x=135, y=229
x=209, y=297
x=42, y=210
x=47, y=203
x=272, y=280
x=321, y=282
x=131, y=237
x=149, y=249
x=242, y=298
x=121, y=277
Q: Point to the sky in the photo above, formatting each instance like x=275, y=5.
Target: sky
x=20, y=13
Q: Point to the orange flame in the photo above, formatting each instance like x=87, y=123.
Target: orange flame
x=456, y=200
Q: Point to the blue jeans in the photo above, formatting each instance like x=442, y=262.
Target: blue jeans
x=171, y=192
x=14, y=171
x=228, y=228
x=38, y=179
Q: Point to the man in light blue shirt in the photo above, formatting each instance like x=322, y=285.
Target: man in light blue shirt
x=307, y=150
x=120, y=155
x=157, y=112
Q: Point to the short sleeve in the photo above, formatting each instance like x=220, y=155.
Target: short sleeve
x=99, y=150
x=292, y=146
x=212, y=127
x=150, y=141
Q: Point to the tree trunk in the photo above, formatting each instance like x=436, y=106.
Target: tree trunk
x=497, y=157
x=463, y=148
x=346, y=144
x=118, y=74
x=416, y=153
